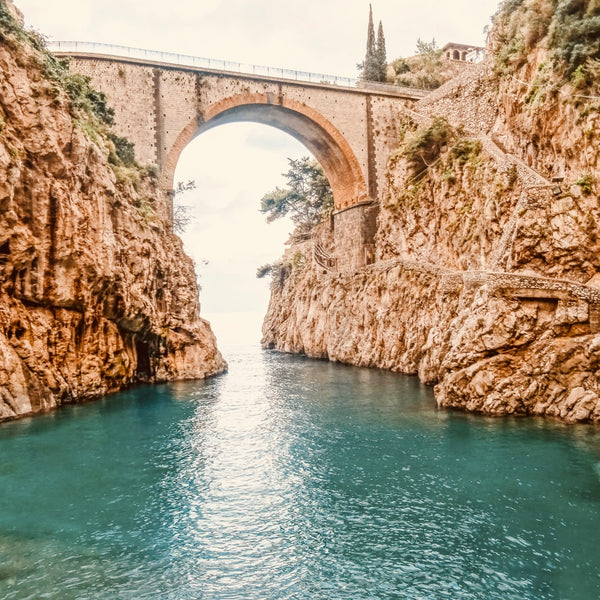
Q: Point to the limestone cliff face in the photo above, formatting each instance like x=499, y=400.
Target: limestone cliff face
x=485, y=274
x=95, y=291
x=490, y=342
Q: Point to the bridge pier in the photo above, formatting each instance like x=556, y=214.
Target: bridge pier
x=354, y=231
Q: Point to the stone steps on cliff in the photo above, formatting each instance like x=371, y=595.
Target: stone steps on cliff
x=527, y=176
x=323, y=258
x=520, y=282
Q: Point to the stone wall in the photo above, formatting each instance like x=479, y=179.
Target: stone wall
x=354, y=235
x=161, y=108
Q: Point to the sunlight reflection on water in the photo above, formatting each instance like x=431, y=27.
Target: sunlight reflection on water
x=291, y=478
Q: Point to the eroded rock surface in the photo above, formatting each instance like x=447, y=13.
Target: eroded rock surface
x=485, y=280
x=95, y=291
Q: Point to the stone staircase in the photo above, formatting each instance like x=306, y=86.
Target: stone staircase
x=528, y=177
x=536, y=189
x=323, y=258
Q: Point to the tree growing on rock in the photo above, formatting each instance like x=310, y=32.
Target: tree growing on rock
x=306, y=199
x=426, y=69
x=181, y=214
x=381, y=52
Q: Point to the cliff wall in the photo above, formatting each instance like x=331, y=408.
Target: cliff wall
x=486, y=252
x=96, y=292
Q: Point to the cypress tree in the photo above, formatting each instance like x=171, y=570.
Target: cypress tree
x=381, y=54
x=370, y=35
x=373, y=68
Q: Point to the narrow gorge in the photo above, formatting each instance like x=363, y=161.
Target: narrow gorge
x=463, y=247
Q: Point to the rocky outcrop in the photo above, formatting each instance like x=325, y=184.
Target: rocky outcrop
x=485, y=281
x=96, y=292
x=490, y=343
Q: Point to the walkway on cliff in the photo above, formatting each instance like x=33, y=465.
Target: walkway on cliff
x=533, y=184
x=535, y=189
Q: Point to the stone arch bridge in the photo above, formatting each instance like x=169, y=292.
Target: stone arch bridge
x=162, y=101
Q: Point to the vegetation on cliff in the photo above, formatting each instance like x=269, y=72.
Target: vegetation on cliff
x=88, y=107
x=306, y=199
x=546, y=62
x=85, y=101
x=569, y=30
x=426, y=69
x=485, y=279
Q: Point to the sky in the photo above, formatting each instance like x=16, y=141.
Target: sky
x=234, y=165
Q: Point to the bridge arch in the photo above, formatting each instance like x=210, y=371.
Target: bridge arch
x=318, y=135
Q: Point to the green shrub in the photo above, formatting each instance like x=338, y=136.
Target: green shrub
x=509, y=6
x=520, y=25
x=146, y=209
x=84, y=97
x=298, y=262
x=587, y=75
x=279, y=271
x=424, y=70
x=423, y=147
x=124, y=152
x=511, y=55
x=152, y=171
x=512, y=176
x=263, y=271
x=466, y=151
x=575, y=33
x=400, y=66
x=586, y=183
x=91, y=129
x=570, y=28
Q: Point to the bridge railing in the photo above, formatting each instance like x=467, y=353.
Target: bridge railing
x=185, y=60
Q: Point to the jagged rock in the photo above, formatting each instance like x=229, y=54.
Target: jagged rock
x=486, y=280
x=96, y=292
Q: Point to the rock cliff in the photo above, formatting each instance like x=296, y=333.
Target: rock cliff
x=96, y=292
x=486, y=253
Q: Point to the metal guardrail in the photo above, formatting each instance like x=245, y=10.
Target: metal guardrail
x=185, y=60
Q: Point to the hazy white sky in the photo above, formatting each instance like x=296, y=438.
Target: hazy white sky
x=323, y=36
x=234, y=165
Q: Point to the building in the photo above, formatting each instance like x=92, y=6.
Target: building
x=462, y=52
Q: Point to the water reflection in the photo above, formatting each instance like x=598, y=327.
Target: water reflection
x=292, y=478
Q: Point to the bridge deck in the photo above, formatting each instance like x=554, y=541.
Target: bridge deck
x=233, y=69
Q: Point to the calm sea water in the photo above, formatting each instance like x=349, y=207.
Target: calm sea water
x=293, y=478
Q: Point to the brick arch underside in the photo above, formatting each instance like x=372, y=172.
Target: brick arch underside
x=324, y=141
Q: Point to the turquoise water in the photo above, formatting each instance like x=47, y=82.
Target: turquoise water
x=292, y=478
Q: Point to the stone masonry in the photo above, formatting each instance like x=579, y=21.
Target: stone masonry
x=161, y=108
x=350, y=131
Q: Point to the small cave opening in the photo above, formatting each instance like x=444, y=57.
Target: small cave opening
x=143, y=370
x=16, y=331
x=5, y=248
